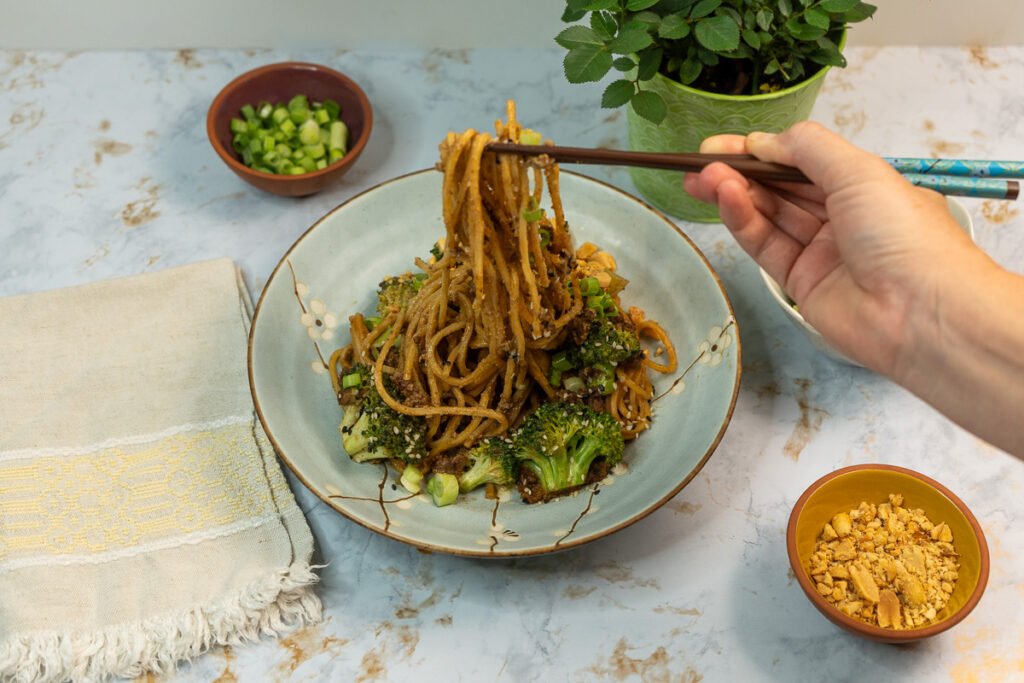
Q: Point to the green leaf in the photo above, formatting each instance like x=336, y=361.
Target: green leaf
x=578, y=36
x=601, y=4
x=674, y=27
x=827, y=58
x=623, y=64
x=785, y=7
x=838, y=5
x=574, y=10
x=648, y=20
x=805, y=32
x=650, y=60
x=750, y=38
x=733, y=14
x=689, y=71
x=828, y=54
x=650, y=106
x=630, y=40
x=617, y=94
x=603, y=25
x=815, y=17
x=764, y=19
x=704, y=8
x=570, y=15
x=859, y=13
x=719, y=34
x=637, y=5
x=707, y=57
x=586, y=63
x=771, y=67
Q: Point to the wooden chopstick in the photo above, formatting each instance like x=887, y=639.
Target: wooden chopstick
x=755, y=169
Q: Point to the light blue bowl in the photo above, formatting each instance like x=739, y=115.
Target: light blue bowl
x=333, y=270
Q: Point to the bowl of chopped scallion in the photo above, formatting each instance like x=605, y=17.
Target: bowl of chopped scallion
x=291, y=128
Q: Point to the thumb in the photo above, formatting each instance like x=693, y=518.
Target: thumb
x=831, y=162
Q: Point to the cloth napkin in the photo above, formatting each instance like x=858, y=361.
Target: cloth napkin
x=143, y=515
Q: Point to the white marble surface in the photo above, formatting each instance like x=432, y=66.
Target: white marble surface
x=105, y=171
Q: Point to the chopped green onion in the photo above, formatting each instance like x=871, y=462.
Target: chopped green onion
x=332, y=108
x=533, y=215
x=339, y=136
x=289, y=138
x=316, y=151
x=443, y=488
x=555, y=378
x=309, y=133
x=562, y=362
x=353, y=379
x=372, y=322
x=545, y=238
x=411, y=479
x=529, y=137
x=575, y=385
x=589, y=286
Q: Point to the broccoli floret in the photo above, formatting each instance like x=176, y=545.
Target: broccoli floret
x=490, y=462
x=372, y=430
x=559, y=442
x=590, y=367
x=396, y=292
x=608, y=343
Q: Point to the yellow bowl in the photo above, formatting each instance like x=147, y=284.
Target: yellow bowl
x=843, y=490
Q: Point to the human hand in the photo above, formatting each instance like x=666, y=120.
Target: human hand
x=866, y=255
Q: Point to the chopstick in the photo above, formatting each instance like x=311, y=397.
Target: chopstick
x=963, y=178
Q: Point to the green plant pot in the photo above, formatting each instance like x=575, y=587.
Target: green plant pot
x=694, y=115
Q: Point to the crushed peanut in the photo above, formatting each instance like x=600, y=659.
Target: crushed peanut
x=886, y=564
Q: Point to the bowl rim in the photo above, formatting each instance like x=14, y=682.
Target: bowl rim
x=238, y=167
x=482, y=554
x=877, y=632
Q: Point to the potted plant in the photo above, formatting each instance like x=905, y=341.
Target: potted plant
x=694, y=68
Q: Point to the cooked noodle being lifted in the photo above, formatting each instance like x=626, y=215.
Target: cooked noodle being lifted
x=506, y=316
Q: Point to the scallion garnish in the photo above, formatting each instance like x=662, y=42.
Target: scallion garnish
x=290, y=138
x=353, y=379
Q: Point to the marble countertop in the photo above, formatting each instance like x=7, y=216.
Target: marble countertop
x=105, y=171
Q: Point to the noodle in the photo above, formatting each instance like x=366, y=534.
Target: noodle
x=473, y=347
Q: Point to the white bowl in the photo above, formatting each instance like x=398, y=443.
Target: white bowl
x=960, y=215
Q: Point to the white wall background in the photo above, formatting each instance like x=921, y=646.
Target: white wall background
x=353, y=24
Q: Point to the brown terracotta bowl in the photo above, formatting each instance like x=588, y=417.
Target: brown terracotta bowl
x=842, y=491
x=279, y=83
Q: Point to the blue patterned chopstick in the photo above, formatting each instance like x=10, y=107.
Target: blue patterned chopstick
x=973, y=168
x=982, y=188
